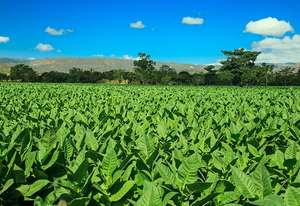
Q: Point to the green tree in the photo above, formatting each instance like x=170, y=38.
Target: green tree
x=237, y=60
x=198, y=78
x=31, y=76
x=225, y=77
x=267, y=71
x=144, y=68
x=76, y=75
x=119, y=75
x=3, y=77
x=210, y=74
x=19, y=71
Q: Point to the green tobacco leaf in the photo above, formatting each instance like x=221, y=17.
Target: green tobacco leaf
x=8, y=183
x=203, y=200
x=188, y=171
x=146, y=145
x=148, y=197
x=168, y=197
x=51, y=161
x=262, y=180
x=81, y=171
x=165, y=173
x=91, y=141
x=38, y=201
x=36, y=186
x=292, y=197
x=253, y=150
x=82, y=201
x=271, y=200
x=109, y=163
x=230, y=196
x=291, y=151
x=243, y=183
x=49, y=139
x=197, y=187
x=124, y=189
x=19, y=174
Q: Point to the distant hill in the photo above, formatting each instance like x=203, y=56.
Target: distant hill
x=9, y=61
x=297, y=66
x=101, y=64
x=4, y=69
x=64, y=64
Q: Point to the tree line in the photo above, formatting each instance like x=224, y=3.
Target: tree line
x=238, y=69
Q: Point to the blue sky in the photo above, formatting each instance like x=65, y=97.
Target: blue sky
x=170, y=31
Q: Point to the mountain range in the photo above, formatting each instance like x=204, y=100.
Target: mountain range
x=64, y=64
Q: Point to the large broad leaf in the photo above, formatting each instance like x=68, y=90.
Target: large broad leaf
x=148, y=197
x=82, y=201
x=243, y=183
x=188, y=170
x=253, y=150
x=262, y=180
x=292, y=197
x=109, y=163
x=167, y=198
x=203, y=200
x=165, y=173
x=51, y=161
x=291, y=151
x=197, y=187
x=81, y=171
x=38, y=201
x=19, y=174
x=271, y=200
x=91, y=141
x=8, y=183
x=36, y=186
x=124, y=189
x=49, y=139
x=146, y=145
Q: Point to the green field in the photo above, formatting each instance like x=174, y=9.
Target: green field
x=149, y=145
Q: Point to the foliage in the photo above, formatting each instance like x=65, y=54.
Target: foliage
x=142, y=145
x=22, y=72
x=237, y=60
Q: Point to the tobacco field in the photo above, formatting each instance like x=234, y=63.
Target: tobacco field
x=149, y=145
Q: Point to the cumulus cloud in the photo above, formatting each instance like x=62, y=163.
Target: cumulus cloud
x=58, y=51
x=137, y=25
x=153, y=29
x=276, y=50
x=53, y=31
x=4, y=39
x=126, y=56
x=31, y=58
x=191, y=20
x=44, y=47
x=269, y=27
x=98, y=55
x=113, y=55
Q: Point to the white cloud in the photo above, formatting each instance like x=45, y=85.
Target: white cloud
x=276, y=50
x=4, y=39
x=52, y=31
x=58, y=51
x=98, y=55
x=153, y=29
x=191, y=20
x=269, y=27
x=126, y=56
x=31, y=58
x=113, y=55
x=44, y=47
x=137, y=25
